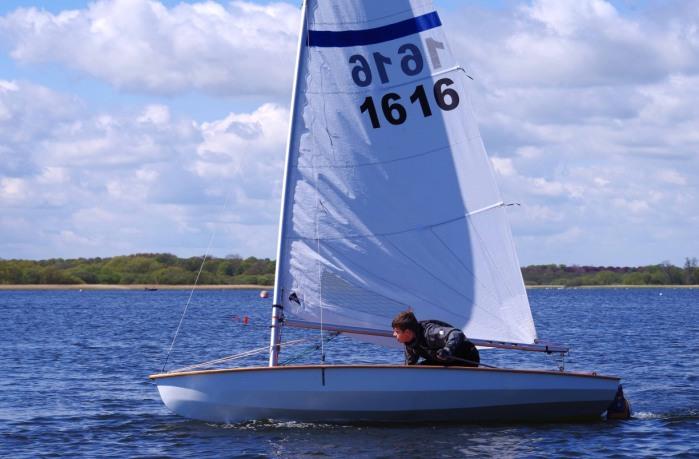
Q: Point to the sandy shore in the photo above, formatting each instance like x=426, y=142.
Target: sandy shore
x=129, y=287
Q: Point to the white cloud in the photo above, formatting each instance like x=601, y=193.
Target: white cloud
x=53, y=176
x=145, y=180
x=155, y=114
x=570, y=235
x=503, y=166
x=241, y=143
x=576, y=43
x=539, y=185
x=7, y=86
x=601, y=182
x=67, y=239
x=589, y=112
x=566, y=17
x=672, y=177
x=634, y=205
x=13, y=191
x=141, y=45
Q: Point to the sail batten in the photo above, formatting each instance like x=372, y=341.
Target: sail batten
x=391, y=200
x=404, y=230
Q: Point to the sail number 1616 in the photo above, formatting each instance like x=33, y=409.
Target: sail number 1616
x=395, y=113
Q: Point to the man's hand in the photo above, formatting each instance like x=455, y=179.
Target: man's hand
x=444, y=354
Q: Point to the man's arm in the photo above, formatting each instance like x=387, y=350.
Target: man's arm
x=454, y=339
x=411, y=356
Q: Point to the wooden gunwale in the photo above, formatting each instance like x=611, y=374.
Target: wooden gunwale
x=410, y=367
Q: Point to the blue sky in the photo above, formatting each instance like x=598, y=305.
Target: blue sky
x=124, y=124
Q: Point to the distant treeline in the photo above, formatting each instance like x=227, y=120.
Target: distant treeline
x=574, y=276
x=167, y=269
x=145, y=268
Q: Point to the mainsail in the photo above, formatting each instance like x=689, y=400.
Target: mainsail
x=390, y=201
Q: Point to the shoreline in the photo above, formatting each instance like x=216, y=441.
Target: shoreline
x=271, y=287
x=131, y=287
x=562, y=287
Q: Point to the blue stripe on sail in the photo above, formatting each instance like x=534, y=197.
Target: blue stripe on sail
x=329, y=39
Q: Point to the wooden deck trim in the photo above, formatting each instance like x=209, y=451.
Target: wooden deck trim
x=408, y=367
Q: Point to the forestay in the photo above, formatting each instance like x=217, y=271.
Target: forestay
x=390, y=201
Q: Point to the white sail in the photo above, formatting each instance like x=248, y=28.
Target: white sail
x=390, y=201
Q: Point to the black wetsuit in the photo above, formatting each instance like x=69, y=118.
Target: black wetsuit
x=433, y=335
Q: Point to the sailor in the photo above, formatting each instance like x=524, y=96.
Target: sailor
x=438, y=343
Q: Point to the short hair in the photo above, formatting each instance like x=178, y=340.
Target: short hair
x=405, y=321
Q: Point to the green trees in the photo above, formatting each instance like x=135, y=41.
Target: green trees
x=573, y=276
x=690, y=272
x=168, y=269
x=146, y=268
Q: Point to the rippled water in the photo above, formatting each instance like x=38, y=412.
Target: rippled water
x=75, y=365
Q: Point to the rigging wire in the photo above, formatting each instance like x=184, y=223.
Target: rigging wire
x=241, y=355
x=196, y=282
x=329, y=337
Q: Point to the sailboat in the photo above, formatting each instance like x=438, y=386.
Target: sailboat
x=389, y=203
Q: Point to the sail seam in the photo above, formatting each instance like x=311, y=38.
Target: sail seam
x=366, y=21
x=463, y=265
x=466, y=297
x=490, y=259
x=401, y=287
x=388, y=161
x=521, y=327
x=456, y=68
x=440, y=281
x=408, y=230
x=352, y=314
x=337, y=311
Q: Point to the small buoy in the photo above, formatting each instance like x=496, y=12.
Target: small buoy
x=660, y=294
x=264, y=294
x=620, y=407
x=246, y=319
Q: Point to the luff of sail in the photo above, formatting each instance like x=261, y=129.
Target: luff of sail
x=390, y=199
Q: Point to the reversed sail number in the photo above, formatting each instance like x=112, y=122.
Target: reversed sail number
x=411, y=62
x=394, y=112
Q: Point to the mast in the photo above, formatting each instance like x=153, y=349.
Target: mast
x=278, y=305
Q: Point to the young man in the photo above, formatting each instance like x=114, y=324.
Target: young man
x=436, y=342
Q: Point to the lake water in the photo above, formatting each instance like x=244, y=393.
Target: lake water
x=75, y=365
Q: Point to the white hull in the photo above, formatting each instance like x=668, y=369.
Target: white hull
x=341, y=394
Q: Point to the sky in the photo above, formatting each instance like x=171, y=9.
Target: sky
x=132, y=126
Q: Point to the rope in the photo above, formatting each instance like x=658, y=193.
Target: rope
x=470, y=362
